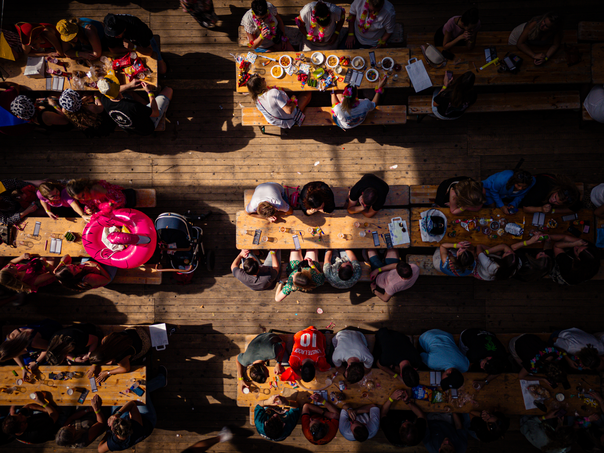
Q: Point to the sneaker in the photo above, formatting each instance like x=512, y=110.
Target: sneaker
x=225, y=434
x=164, y=371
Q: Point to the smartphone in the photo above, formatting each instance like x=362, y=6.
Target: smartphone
x=376, y=238
x=586, y=227
x=37, y=228
x=348, y=77
x=296, y=242
x=449, y=74
x=83, y=396
x=388, y=240
x=372, y=58
x=454, y=394
x=257, y=235
x=570, y=217
x=574, y=231
x=93, y=386
x=139, y=391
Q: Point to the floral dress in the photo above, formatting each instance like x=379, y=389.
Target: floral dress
x=317, y=276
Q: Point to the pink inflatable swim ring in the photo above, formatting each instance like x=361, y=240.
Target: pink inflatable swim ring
x=140, y=242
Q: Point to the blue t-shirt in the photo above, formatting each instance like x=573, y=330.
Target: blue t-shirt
x=290, y=418
x=441, y=351
x=438, y=430
x=446, y=269
x=139, y=433
x=496, y=190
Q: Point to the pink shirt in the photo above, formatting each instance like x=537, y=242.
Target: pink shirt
x=392, y=283
x=65, y=200
x=454, y=29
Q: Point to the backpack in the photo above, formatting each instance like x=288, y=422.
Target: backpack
x=7, y=235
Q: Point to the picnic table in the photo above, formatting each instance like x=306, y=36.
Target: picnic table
x=290, y=82
x=50, y=229
x=13, y=71
x=553, y=71
x=490, y=215
x=308, y=229
x=112, y=391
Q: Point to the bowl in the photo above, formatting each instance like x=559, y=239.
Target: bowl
x=317, y=58
x=277, y=72
x=387, y=63
x=372, y=75
x=358, y=62
x=285, y=61
x=332, y=61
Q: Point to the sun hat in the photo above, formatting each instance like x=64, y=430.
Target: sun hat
x=67, y=29
x=113, y=26
x=109, y=86
x=70, y=100
x=23, y=107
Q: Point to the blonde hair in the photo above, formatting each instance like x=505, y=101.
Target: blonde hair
x=469, y=193
x=48, y=186
x=8, y=280
x=14, y=347
x=83, y=118
x=536, y=31
x=266, y=210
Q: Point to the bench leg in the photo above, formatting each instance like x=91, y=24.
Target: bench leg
x=420, y=118
x=262, y=130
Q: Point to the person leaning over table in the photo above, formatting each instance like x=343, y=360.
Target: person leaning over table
x=255, y=275
x=351, y=352
x=275, y=105
x=391, y=276
x=403, y=428
x=11, y=211
x=460, y=194
x=85, y=115
x=370, y=24
x=597, y=198
x=44, y=112
x=320, y=24
x=455, y=259
x=342, y=271
x=308, y=355
x=40, y=39
x=316, y=197
x=305, y=275
x=320, y=424
x=361, y=423
x=34, y=423
x=82, y=38
x=547, y=432
x=30, y=276
x=535, y=356
x=84, y=426
x=454, y=97
x=443, y=436
x=268, y=200
x=552, y=194
x=274, y=422
x=396, y=356
x=265, y=29
x=459, y=31
x=575, y=260
x=347, y=111
x=488, y=426
x=594, y=103
x=485, y=353
x=442, y=354
x=507, y=189
x=56, y=202
x=588, y=348
x=367, y=196
x=541, y=31
x=73, y=344
x=264, y=347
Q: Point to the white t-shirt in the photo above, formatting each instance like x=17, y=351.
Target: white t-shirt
x=271, y=192
x=573, y=340
x=252, y=28
x=356, y=116
x=515, y=35
x=371, y=420
x=271, y=106
x=597, y=195
x=486, y=267
x=384, y=22
x=336, y=15
x=350, y=343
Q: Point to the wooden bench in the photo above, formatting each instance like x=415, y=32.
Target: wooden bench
x=398, y=195
x=506, y=102
x=591, y=31
x=138, y=276
x=485, y=38
x=364, y=276
x=321, y=116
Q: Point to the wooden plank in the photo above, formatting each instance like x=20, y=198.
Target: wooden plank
x=591, y=31
x=138, y=276
x=484, y=38
x=597, y=66
x=424, y=194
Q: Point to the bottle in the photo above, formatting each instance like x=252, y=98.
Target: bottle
x=52, y=60
x=56, y=72
x=342, y=386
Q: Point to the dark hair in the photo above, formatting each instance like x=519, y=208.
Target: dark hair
x=77, y=186
x=361, y=433
x=66, y=437
x=322, y=10
x=534, y=268
x=12, y=348
x=404, y=270
x=508, y=266
x=377, y=4
x=255, y=84
x=11, y=425
x=114, y=345
x=273, y=428
x=495, y=365
x=355, y=372
x=122, y=427
x=345, y=273
x=316, y=195
x=348, y=102
x=461, y=88
x=259, y=7
x=410, y=376
x=470, y=16
x=74, y=282
x=257, y=373
x=519, y=177
x=454, y=380
x=59, y=348
x=409, y=435
x=308, y=372
x=463, y=262
x=554, y=373
x=566, y=189
x=303, y=281
x=589, y=357
x=250, y=266
x=370, y=196
x=265, y=209
x=319, y=431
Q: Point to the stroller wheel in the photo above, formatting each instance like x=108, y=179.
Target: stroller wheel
x=210, y=260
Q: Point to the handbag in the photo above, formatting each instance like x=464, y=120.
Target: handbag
x=433, y=56
x=434, y=225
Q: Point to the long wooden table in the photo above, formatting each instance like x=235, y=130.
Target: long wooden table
x=14, y=72
x=400, y=56
x=26, y=242
x=553, y=71
x=597, y=66
x=109, y=390
x=476, y=237
x=331, y=225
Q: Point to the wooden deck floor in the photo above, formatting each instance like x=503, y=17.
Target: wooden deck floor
x=206, y=159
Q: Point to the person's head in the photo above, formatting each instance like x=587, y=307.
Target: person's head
x=322, y=14
x=251, y=266
x=354, y=372
x=493, y=365
x=451, y=379
x=410, y=376
x=535, y=267
x=256, y=85
x=14, y=347
x=554, y=373
x=499, y=424
x=520, y=180
x=463, y=259
x=409, y=434
x=59, y=348
x=549, y=22
x=23, y=108
x=461, y=87
x=122, y=428
x=51, y=190
x=67, y=436
x=561, y=438
x=260, y=9
x=113, y=345
x=404, y=270
x=349, y=98
x=71, y=276
x=68, y=29
x=360, y=432
x=469, y=194
x=9, y=279
x=469, y=20
x=346, y=271
x=14, y=424
x=447, y=446
x=114, y=27
x=303, y=281
x=258, y=372
x=564, y=193
x=508, y=265
x=307, y=372
x=316, y=195
x=589, y=357
x=266, y=210
x=375, y=5
x=109, y=86
x=368, y=197
x=80, y=189
x=318, y=430
x=273, y=427
x=587, y=253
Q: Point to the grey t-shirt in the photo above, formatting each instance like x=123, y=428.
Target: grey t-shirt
x=265, y=346
x=266, y=279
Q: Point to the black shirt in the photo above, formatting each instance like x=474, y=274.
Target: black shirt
x=80, y=335
x=139, y=433
x=481, y=428
x=392, y=347
x=137, y=344
x=137, y=32
x=444, y=189
x=527, y=348
x=540, y=192
x=129, y=114
x=444, y=107
x=391, y=424
x=571, y=269
x=482, y=344
x=371, y=181
x=330, y=204
x=40, y=428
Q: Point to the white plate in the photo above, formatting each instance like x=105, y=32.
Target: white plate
x=358, y=63
x=385, y=62
x=317, y=58
x=285, y=57
x=333, y=65
x=374, y=72
x=277, y=72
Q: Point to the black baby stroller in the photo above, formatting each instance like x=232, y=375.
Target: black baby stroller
x=181, y=242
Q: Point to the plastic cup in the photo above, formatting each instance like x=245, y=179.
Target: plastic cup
x=264, y=239
x=328, y=381
x=19, y=381
x=357, y=225
x=477, y=386
x=69, y=391
x=246, y=390
x=342, y=236
x=32, y=396
x=362, y=234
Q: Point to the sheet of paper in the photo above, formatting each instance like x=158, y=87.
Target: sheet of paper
x=529, y=400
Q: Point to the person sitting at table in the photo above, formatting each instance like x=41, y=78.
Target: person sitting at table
x=320, y=24
x=488, y=426
x=11, y=211
x=535, y=356
x=27, y=345
x=445, y=433
x=269, y=199
x=316, y=197
x=455, y=259
x=575, y=260
x=9, y=123
x=40, y=39
x=34, y=423
x=485, y=353
x=391, y=276
x=588, y=348
x=265, y=29
x=304, y=275
x=121, y=349
x=266, y=346
x=367, y=196
x=459, y=31
x=45, y=113
x=442, y=354
x=27, y=277
x=535, y=264
x=86, y=116
x=73, y=344
x=594, y=103
x=255, y=275
x=547, y=432
x=370, y=24
x=84, y=276
x=274, y=422
x=506, y=189
x=125, y=33
x=460, y=194
x=541, y=31
x=224, y=435
x=552, y=194
x=347, y=111
x=202, y=11
x=342, y=271
x=500, y=262
x=94, y=193
x=403, y=428
x=454, y=97
x=596, y=197
x=320, y=424
x=396, y=356
x=359, y=424
x=275, y=105
x=352, y=353
x=308, y=355
x=56, y=202
x=84, y=426
x=82, y=38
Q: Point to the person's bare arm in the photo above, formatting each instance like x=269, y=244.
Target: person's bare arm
x=237, y=261
x=457, y=421
x=369, y=212
x=522, y=40
x=365, y=408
